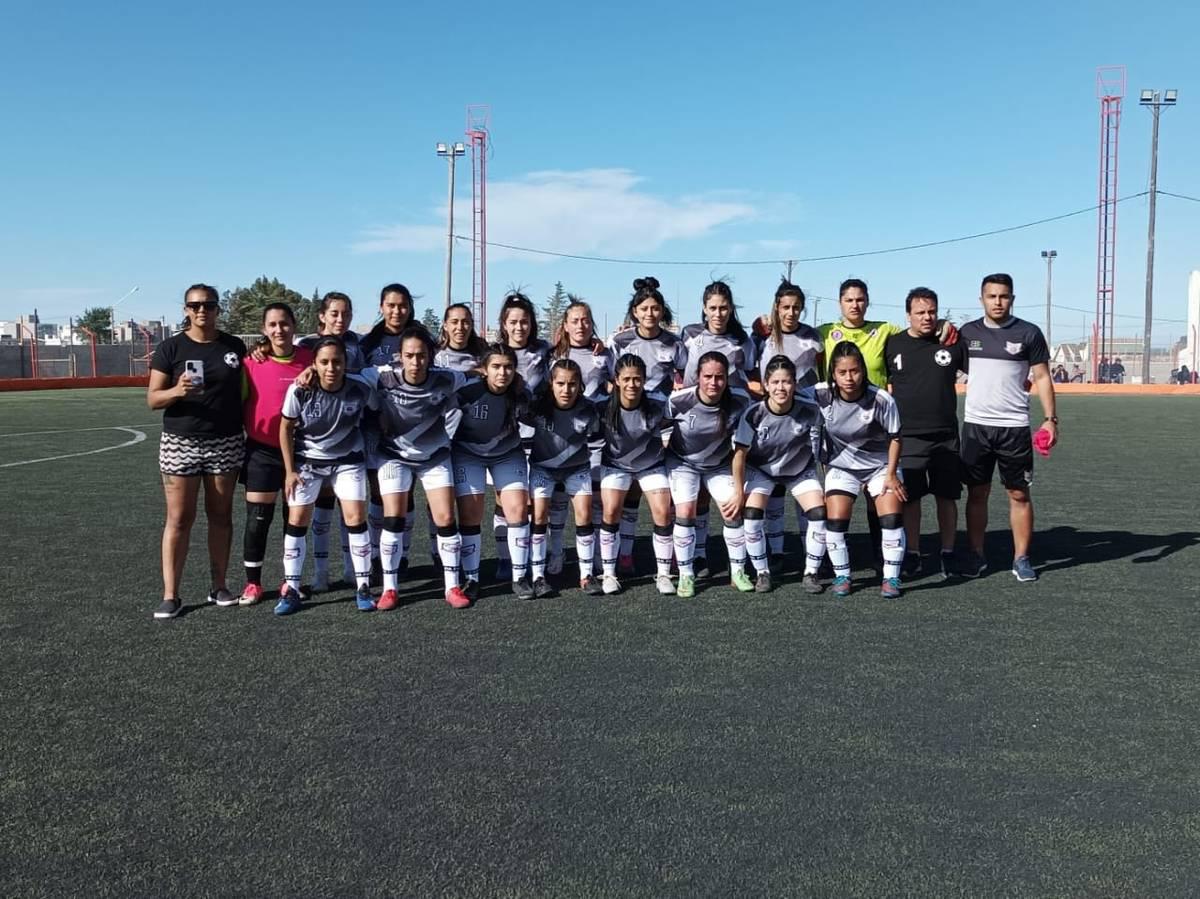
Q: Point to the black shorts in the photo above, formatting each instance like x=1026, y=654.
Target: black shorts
x=262, y=469
x=983, y=446
x=931, y=464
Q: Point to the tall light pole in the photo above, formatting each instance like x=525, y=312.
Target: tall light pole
x=1049, y=256
x=1156, y=101
x=112, y=312
x=451, y=152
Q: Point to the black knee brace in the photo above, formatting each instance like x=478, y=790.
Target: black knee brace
x=753, y=514
x=258, y=528
x=892, y=521
x=816, y=513
x=838, y=525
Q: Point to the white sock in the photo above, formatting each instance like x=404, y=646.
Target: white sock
x=360, y=550
x=664, y=551
x=500, y=535
x=629, y=523
x=839, y=555
x=701, y=548
x=814, y=547
x=375, y=526
x=537, y=551
x=585, y=549
x=449, y=548
x=735, y=542
x=558, y=522
x=756, y=545
x=389, y=557
x=893, y=551
x=610, y=545
x=684, y=538
x=293, y=560
x=774, y=523
x=469, y=556
x=321, y=520
x=518, y=548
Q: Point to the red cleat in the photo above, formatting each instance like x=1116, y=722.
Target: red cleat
x=387, y=601
x=457, y=598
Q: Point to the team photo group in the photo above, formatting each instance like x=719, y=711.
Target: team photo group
x=336, y=428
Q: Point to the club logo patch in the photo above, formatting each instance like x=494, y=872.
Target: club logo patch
x=1012, y=348
x=866, y=415
x=836, y=334
x=942, y=357
x=975, y=345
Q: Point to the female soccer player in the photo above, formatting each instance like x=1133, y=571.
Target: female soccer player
x=720, y=331
x=195, y=378
x=634, y=425
x=564, y=423
x=777, y=444
x=665, y=357
x=264, y=386
x=459, y=347
x=488, y=443
x=419, y=414
x=699, y=453
x=321, y=439
x=862, y=449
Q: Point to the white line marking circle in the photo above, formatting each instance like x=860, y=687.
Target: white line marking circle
x=138, y=437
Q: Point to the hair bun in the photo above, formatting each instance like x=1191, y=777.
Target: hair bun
x=639, y=283
x=647, y=283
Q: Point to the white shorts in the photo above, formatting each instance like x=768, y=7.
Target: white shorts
x=759, y=482
x=349, y=482
x=650, y=479
x=397, y=477
x=542, y=482
x=471, y=473
x=686, y=481
x=853, y=481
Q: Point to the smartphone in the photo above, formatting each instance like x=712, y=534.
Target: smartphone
x=194, y=369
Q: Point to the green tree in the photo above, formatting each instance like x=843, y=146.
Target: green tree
x=552, y=312
x=242, y=307
x=306, y=314
x=432, y=321
x=98, y=320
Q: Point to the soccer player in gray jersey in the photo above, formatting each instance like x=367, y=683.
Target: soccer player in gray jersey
x=721, y=332
x=777, y=444
x=564, y=422
x=635, y=427
x=861, y=449
x=419, y=414
x=699, y=452
x=322, y=443
x=459, y=348
x=488, y=444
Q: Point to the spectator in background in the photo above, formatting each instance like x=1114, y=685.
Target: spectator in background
x=1076, y=375
x=1116, y=372
x=1060, y=374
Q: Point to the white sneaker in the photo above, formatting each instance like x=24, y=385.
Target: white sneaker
x=611, y=584
x=554, y=564
x=665, y=585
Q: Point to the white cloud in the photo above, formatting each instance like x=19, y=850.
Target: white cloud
x=593, y=211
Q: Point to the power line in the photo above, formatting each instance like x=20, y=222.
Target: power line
x=1167, y=193
x=713, y=263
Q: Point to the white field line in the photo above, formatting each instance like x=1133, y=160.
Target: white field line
x=157, y=424
x=138, y=437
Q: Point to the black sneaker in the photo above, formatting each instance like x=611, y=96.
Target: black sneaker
x=949, y=565
x=911, y=567
x=471, y=588
x=169, y=608
x=974, y=565
x=222, y=598
x=541, y=589
x=591, y=585
x=522, y=589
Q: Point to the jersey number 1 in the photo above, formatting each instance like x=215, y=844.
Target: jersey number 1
x=897, y=362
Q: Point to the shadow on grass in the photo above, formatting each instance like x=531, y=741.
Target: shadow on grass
x=1067, y=547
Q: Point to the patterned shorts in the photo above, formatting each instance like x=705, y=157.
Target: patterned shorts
x=189, y=456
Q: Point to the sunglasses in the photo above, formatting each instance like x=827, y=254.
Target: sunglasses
x=206, y=306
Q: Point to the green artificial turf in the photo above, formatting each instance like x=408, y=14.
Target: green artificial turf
x=982, y=738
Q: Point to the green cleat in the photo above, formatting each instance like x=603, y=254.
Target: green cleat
x=686, y=587
x=741, y=580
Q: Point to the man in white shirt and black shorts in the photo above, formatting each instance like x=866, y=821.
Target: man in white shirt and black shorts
x=1004, y=354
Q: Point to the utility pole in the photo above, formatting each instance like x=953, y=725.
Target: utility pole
x=1156, y=102
x=790, y=263
x=1049, y=256
x=451, y=152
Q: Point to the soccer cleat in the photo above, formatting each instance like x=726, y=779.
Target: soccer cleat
x=974, y=565
x=890, y=588
x=541, y=589
x=591, y=585
x=741, y=581
x=222, y=598
x=664, y=585
x=911, y=566
x=700, y=567
x=471, y=588
x=169, y=608
x=522, y=589
x=457, y=598
x=1023, y=569
x=687, y=586
x=762, y=583
x=841, y=586
x=554, y=565
x=503, y=570
x=289, y=602
x=364, y=600
x=251, y=595
x=625, y=565
x=611, y=585
x=387, y=601
x=320, y=582
x=811, y=583
x=949, y=565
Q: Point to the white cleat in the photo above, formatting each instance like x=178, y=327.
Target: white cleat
x=665, y=585
x=611, y=584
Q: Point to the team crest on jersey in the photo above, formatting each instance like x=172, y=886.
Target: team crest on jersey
x=581, y=427
x=975, y=345
x=598, y=361
x=836, y=334
x=1012, y=348
x=942, y=357
x=866, y=415
x=665, y=355
x=350, y=408
x=231, y=359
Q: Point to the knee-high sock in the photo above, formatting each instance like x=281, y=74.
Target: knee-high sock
x=756, y=544
x=685, y=547
x=776, y=509
x=500, y=534
x=814, y=547
x=293, y=555
x=391, y=549
x=449, y=548
x=585, y=548
x=347, y=556
x=629, y=523
x=735, y=543
x=610, y=546
x=469, y=553
x=518, y=548
x=839, y=555
x=360, y=549
x=254, y=539
x=537, y=550
x=893, y=545
x=375, y=526
x=322, y=519
x=664, y=549
x=558, y=522
x=701, y=547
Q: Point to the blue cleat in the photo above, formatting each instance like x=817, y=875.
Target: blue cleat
x=841, y=586
x=364, y=600
x=289, y=602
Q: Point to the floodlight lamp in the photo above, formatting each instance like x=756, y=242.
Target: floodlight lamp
x=459, y=149
x=1170, y=96
x=442, y=149
x=1147, y=97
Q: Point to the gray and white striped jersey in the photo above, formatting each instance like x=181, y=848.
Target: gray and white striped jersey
x=637, y=442
x=417, y=420
x=327, y=428
x=857, y=435
x=533, y=362
x=802, y=346
x=703, y=435
x=488, y=427
x=664, y=355
x=560, y=439
x=455, y=360
x=597, y=369
x=781, y=446
x=741, y=354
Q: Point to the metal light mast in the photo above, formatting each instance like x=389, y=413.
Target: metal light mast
x=479, y=119
x=1110, y=89
x=1156, y=101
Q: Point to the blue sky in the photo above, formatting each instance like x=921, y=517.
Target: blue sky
x=160, y=144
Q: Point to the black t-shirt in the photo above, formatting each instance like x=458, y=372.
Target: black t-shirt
x=922, y=373
x=217, y=410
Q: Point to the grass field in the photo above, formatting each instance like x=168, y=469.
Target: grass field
x=974, y=739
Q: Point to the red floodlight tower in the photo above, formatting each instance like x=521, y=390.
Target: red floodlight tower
x=479, y=118
x=1110, y=89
